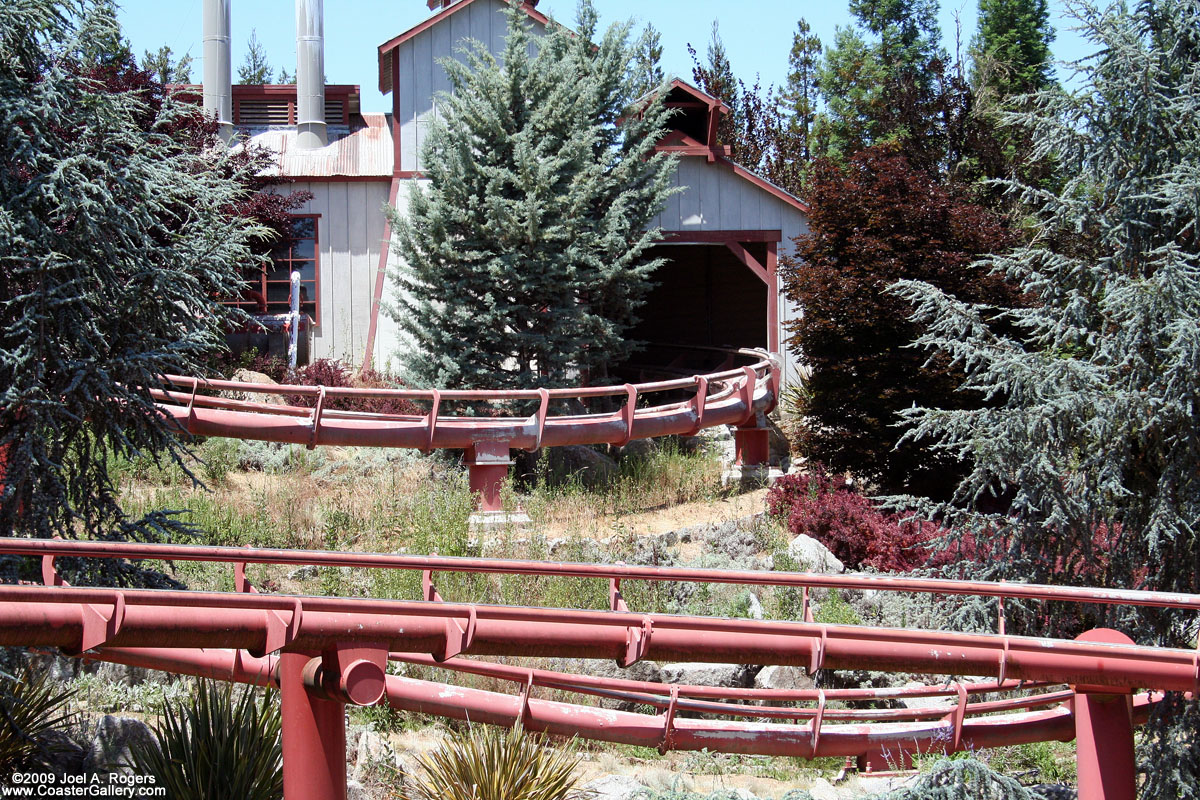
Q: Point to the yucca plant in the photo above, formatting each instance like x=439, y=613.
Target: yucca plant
x=30, y=707
x=486, y=763
x=218, y=747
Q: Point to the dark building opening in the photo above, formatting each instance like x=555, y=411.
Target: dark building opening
x=705, y=297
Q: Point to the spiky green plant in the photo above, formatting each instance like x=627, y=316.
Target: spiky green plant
x=217, y=747
x=30, y=707
x=486, y=763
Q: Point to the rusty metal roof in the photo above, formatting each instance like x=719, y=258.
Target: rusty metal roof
x=362, y=151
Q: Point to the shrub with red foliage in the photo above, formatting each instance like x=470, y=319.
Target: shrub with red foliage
x=830, y=510
x=327, y=372
x=875, y=220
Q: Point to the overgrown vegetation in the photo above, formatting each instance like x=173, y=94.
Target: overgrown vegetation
x=489, y=763
x=222, y=744
x=832, y=511
x=31, y=706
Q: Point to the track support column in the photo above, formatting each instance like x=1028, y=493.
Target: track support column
x=314, y=737
x=1104, y=734
x=752, y=447
x=487, y=467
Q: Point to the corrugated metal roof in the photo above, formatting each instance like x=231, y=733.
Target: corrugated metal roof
x=364, y=151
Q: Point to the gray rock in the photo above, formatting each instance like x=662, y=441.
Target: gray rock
x=780, y=446
x=638, y=450
x=250, y=376
x=783, y=678
x=63, y=755
x=356, y=791
x=577, y=462
x=613, y=787
x=701, y=674
x=822, y=789
x=111, y=748
x=371, y=750
x=1054, y=791
x=925, y=702
x=304, y=573
x=814, y=555
x=756, y=609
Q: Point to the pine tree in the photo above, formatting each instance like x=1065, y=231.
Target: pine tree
x=1096, y=439
x=1010, y=58
x=800, y=95
x=255, y=69
x=526, y=252
x=1011, y=52
x=715, y=78
x=165, y=68
x=884, y=81
x=647, y=73
x=116, y=238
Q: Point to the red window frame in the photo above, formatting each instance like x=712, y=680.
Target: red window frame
x=271, y=287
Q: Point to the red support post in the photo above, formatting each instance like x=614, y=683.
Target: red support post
x=487, y=467
x=752, y=446
x=314, y=737
x=1104, y=734
x=878, y=761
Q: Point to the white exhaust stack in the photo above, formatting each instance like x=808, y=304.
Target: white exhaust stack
x=310, y=75
x=218, y=70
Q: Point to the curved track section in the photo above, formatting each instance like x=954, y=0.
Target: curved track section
x=341, y=645
x=731, y=397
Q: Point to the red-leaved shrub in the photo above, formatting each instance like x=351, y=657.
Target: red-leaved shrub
x=830, y=510
x=330, y=373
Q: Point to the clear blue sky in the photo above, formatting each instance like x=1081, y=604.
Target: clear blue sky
x=757, y=36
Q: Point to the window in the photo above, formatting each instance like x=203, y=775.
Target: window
x=269, y=290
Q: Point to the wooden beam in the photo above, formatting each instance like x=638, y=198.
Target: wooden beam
x=746, y=257
x=772, y=297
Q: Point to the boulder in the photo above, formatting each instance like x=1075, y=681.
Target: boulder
x=783, y=678
x=780, y=446
x=1054, y=791
x=638, y=450
x=62, y=754
x=815, y=556
x=613, y=787
x=112, y=744
x=702, y=674
x=370, y=749
x=250, y=376
x=577, y=462
x=646, y=671
x=943, y=701
x=822, y=789
x=756, y=609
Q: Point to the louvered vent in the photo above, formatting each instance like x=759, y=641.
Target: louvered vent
x=263, y=112
x=333, y=112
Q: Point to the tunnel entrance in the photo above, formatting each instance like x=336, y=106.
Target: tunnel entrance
x=705, y=297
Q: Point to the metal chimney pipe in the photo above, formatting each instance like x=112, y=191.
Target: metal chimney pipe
x=310, y=75
x=218, y=69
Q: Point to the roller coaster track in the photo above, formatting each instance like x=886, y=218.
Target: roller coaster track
x=326, y=652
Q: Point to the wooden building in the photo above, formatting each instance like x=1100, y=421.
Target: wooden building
x=723, y=235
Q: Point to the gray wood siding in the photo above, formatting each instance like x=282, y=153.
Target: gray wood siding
x=715, y=199
x=421, y=77
x=350, y=233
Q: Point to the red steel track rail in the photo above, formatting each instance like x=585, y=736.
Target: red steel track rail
x=731, y=397
x=326, y=651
